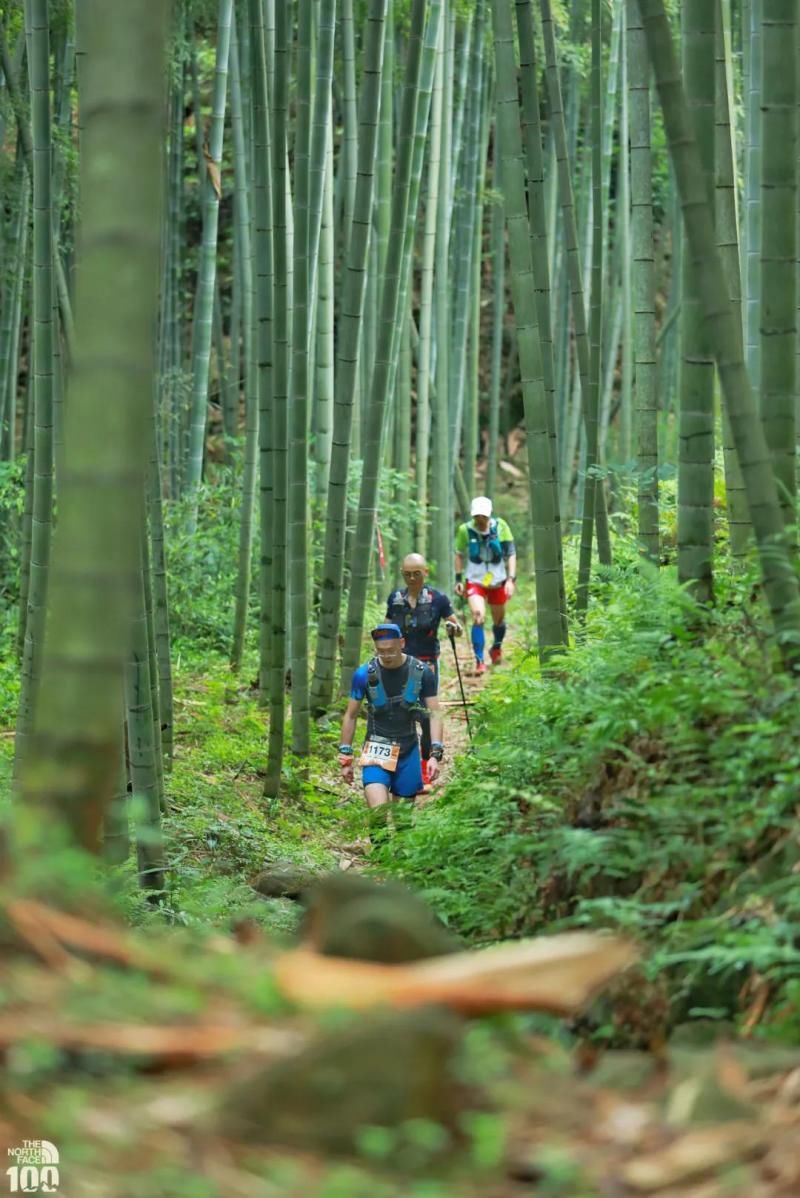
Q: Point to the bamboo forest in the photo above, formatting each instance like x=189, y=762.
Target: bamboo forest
x=400, y=598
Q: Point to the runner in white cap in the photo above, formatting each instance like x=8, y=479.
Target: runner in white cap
x=486, y=572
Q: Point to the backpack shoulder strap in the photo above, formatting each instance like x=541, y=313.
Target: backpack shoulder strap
x=413, y=687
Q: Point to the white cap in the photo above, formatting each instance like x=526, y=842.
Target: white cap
x=481, y=506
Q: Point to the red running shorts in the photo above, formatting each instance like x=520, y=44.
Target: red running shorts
x=494, y=596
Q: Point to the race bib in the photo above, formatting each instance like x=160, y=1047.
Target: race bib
x=488, y=579
x=382, y=753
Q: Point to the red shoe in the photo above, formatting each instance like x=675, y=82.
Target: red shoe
x=480, y=667
x=496, y=654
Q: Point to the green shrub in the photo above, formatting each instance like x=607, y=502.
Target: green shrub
x=649, y=782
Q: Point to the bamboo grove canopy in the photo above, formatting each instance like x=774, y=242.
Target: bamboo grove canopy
x=369, y=258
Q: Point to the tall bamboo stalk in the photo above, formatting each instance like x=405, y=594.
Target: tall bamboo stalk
x=309, y=196
x=347, y=361
x=498, y=251
x=422, y=40
x=281, y=335
x=37, y=32
x=589, y=383
x=262, y=192
x=245, y=243
x=208, y=261
x=780, y=580
x=752, y=194
x=727, y=228
x=543, y=490
x=778, y=319
x=441, y=480
x=643, y=282
x=425, y=352
x=74, y=748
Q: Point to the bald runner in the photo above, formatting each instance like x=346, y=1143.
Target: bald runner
x=419, y=609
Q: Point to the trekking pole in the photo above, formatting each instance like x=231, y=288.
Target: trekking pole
x=452, y=638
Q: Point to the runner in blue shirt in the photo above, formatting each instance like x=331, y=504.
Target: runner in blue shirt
x=398, y=689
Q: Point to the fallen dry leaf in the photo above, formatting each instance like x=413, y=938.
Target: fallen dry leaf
x=694, y=1156
x=558, y=974
x=48, y=930
x=176, y=1044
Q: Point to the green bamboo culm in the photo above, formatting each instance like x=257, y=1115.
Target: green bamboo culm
x=778, y=320
x=422, y=40
x=142, y=745
x=643, y=282
x=400, y=385
x=543, y=496
x=623, y=333
x=9, y=360
x=537, y=208
x=347, y=360
x=441, y=489
x=160, y=586
x=593, y=495
x=536, y=200
x=281, y=343
x=325, y=344
x=696, y=418
x=463, y=235
x=425, y=348
x=245, y=241
x=498, y=252
x=33, y=618
x=261, y=138
x=752, y=40
x=309, y=192
x=73, y=764
x=727, y=227
x=204, y=317
x=596, y=314
x=724, y=337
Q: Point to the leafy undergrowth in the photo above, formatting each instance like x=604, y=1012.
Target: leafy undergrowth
x=220, y=830
x=650, y=784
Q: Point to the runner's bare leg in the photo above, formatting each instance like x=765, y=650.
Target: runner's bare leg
x=376, y=794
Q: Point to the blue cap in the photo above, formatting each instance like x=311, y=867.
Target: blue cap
x=386, y=632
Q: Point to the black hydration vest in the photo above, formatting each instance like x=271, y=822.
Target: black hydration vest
x=395, y=718
x=418, y=621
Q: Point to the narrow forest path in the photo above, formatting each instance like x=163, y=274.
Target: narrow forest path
x=355, y=853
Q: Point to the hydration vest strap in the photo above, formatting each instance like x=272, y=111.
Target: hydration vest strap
x=375, y=687
x=494, y=549
x=414, y=684
x=411, y=692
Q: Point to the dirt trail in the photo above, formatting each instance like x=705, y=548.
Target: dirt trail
x=456, y=735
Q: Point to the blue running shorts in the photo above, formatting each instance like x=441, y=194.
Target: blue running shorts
x=405, y=782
